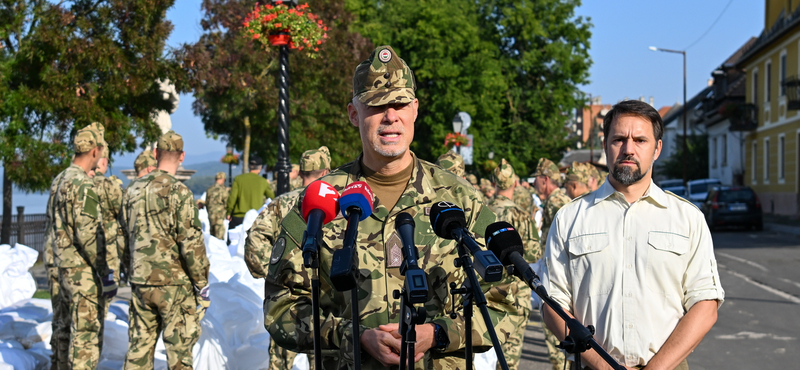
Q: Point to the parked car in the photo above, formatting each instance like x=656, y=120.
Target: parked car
x=670, y=183
x=733, y=206
x=698, y=190
x=678, y=190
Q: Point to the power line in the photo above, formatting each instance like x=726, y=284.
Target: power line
x=711, y=27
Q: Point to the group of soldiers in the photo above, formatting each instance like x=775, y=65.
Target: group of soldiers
x=148, y=235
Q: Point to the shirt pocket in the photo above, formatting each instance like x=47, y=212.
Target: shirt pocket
x=591, y=264
x=666, y=262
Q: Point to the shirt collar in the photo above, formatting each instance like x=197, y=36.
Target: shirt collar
x=653, y=192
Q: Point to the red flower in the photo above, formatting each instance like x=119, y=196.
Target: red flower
x=256, y=36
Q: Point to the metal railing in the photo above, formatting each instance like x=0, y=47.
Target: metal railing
x=28, y=230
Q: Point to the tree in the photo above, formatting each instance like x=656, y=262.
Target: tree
x=513, y=65
x=697, y=168
x=235, y=81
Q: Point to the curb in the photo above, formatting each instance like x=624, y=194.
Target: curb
x=782, y=228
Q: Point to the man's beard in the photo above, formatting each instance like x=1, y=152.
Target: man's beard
x=625, y=175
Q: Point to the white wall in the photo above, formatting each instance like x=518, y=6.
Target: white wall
x=721, y=165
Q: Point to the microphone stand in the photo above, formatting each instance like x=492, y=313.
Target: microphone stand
x=410, y=316
x=472, y=293
x=311, y=261
x=344, y=276
x=580, y=337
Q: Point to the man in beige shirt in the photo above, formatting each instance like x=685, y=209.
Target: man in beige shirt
x=632, y=260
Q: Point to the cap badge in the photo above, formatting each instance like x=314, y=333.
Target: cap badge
x=385, y=55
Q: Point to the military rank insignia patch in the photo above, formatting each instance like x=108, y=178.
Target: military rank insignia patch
x=394, y=252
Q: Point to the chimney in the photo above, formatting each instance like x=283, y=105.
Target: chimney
x=652, y=102
x=641, y=98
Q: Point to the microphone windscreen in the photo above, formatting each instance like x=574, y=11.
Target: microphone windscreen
x=357, y=194
x=322, y=196
x=446, y=217
x=503, y=239
x=404, y=219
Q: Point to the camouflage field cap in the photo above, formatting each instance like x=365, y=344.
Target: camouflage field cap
x=472, y=179
x=295, y=168
x=144, y=160
x=383, y=79
x=485, y=184
x=579, y=172
x=220, y=175
x=87, y=139
x=452, y=162
x=504, y=175
x=316, y=159
x=549, y=169
x=170, y=142
x=593, y=172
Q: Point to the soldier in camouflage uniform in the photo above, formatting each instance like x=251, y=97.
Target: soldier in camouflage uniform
x=78, y=250
x=548, y=180
x=384, y=109
x=487, y=189
x=452, y=162
x=110, y=195
x=216, y=201
x=521, y=218
x=577, y=183
x=314, y=164
x=295, y=182
x=166, y=257
x=144, y=163
x=474, y=181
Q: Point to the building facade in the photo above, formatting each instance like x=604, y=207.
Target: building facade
x=772, y=65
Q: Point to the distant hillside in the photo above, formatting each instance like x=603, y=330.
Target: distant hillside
x=204, y=177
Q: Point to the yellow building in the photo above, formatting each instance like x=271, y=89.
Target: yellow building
x=772, y=153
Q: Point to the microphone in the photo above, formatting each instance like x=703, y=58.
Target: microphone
x=504, y=240
x=356, y=205
x=319, y=207
x=448, y=222
x=416, y=283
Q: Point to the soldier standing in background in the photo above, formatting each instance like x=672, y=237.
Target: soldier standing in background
x=295, y=182
x=452, y=162
x=258, y=249
x=166, y=256
x=216, y=201
x=144, y=163
x=548, y=180
x=249, y=191
x=577, y=182
x=111, y=200
x=522, y=220
x=85, y=279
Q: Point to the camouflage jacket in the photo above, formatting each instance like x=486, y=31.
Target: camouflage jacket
x=557, y=199
x=111, y=199
x=512, y=213
x=287, y=306
x=50, y=231
x=524, y=199
x=163, y=240
x=217, y=200
x=262, y=235
x=77, y=222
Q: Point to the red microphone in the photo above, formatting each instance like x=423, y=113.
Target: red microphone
x=320, y=206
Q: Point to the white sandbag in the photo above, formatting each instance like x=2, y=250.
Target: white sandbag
x=485, y=360
x=39, y=333
x=16, y=283
x=34, y=309
x=19, y=359
x=223, y=266
x=204, y=222
x=115, y=340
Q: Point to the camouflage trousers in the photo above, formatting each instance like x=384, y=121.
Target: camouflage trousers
x=171, y=309
x=60, y=320
x=217, y=227
x=557, y=357
x=78, y=319
x=512, y=347
x=281, y=358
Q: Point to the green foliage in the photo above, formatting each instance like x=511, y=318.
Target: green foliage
x=696, y=158
x=513, y=65
x=65, y=65
x=306, y=29
x=234, y=77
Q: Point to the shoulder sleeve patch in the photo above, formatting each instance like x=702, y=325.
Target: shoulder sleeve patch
x=91, y=203
x=294, y=226
x=485, y=218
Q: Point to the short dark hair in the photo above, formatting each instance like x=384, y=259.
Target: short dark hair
x=315, y=174
x=634, y=108
x=168, y=155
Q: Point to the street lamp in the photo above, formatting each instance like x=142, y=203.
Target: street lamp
x=457, y=124
x=229, y=150
x=685, y=147
x=283, y=166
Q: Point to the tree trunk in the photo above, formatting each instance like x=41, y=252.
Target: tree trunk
x=246, y=154
x=5, y=236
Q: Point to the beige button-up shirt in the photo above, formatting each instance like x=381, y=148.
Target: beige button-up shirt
x=631, y=270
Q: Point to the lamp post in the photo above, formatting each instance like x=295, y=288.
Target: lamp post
x=229, y=150
x=283, y=166
x=457, y=124
x=685, y=147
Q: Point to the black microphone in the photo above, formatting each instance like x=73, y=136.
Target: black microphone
x=448, y=222
x=504, y=240
x=416, y=280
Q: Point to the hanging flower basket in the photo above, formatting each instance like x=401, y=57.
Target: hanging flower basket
x=274, y=25
x=455, y=139
x=230, y=158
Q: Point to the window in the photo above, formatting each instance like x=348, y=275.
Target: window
x=714, y=153
x=724, y=151
x=781, y=161
x=768, y=83
x=753, y=160
x=766, y=160
x=783, y=73
x=755, y=86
